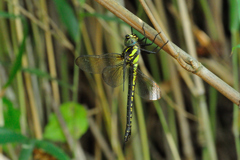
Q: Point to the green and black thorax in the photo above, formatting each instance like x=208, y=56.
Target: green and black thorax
x=131, y=53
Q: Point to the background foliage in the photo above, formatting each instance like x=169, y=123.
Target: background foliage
x=51, y=109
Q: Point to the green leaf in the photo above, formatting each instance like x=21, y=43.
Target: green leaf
x=11, y=115
x=68, y=18
x=82, y=2
x=8, y=15
x=9, y=136
x=75, y=116
x=18, y=61
x=51, y=149
x=238, y=46
x=234, y=8
x=27, y=149
x=53, y=131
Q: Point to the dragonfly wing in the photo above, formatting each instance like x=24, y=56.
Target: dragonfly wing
x=113, y=75
x=96, y=63
x=146, y=87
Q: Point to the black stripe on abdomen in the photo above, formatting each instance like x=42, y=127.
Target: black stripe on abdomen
x=131, y=90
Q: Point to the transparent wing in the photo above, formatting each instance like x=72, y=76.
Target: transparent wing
x=146, y=87
x=112, y=67
x=96, y=63
x=113, y=75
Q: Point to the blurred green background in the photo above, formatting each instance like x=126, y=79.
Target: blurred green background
x=51, y=109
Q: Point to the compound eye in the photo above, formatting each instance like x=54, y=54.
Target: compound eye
x=127, y=36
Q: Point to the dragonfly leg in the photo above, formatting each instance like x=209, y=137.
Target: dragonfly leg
x=160, y=47
x=144, y=38
x=149, y=44
x=153, y=51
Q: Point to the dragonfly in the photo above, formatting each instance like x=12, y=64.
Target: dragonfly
x=115, y=67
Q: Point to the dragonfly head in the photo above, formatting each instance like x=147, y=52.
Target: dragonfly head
x=130, y=40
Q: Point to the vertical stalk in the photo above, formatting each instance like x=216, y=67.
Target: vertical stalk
x=235, y=33
x=19, y=78
x=209, y=18
x=213, y=109
x=29, y=89
x=187, y=28
x=235, y=41
x=167, y=132
x=142, y=128
x=50, y=51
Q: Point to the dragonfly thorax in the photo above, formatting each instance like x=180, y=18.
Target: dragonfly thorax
x=130, y=40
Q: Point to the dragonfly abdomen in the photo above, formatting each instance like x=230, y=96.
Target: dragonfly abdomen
x=131, y=90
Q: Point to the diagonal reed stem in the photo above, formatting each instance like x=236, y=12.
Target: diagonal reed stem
x=185, y=61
